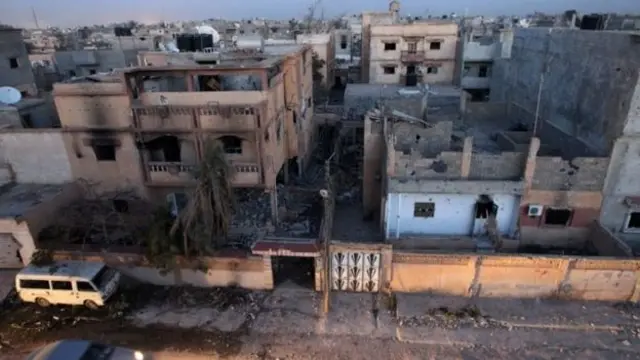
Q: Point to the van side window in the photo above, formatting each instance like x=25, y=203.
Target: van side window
x=34, y=284
x=61, y=285
x=85, y=286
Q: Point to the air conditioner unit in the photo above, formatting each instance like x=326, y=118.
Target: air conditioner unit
x=535, y=210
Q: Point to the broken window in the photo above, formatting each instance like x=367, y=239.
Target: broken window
x=432, y=70
x=485, y=207
x=231, y=144
x=483, y=71
x=434, y=45
x=633, y=221
x=343, y=42
x=389, y=46
x=557, y=216
x=105, y=152
x=424, y=209
x=389, y=70
x=164, y=149
x=13, y=63
x=27, y=122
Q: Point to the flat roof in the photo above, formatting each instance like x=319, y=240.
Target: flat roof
x=17, y=199
x=264, y=64
x=82, y=269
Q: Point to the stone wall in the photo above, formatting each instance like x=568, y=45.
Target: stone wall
x=517, y=276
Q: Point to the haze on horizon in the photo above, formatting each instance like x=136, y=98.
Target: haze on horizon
x=68, y=13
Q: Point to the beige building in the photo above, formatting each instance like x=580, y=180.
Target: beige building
x=324, y=46
x=146, y=128
x=410, y=54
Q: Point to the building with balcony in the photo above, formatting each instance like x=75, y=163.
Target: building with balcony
x=412, y=53
x=146, y=128
x=478, y=54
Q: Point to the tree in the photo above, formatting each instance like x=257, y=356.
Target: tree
x=316, y=65
x=205, y=220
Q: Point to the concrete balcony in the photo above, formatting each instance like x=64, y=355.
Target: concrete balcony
x=170, y=172
x=228, y=118
x=412, y=56
x=475, y=83
x=474, y=51
x=161, y=117
x=245, y=174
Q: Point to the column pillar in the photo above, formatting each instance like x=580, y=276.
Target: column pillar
x=273, y=194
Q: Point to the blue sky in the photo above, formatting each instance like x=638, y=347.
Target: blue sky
x=85, y=12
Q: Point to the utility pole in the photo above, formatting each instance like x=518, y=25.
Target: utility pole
x=35, y=17
x=327, y=200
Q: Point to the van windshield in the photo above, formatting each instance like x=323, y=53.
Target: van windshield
x=102, y=278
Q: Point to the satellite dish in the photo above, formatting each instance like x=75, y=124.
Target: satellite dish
x=9, y=95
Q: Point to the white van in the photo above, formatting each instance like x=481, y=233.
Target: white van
x=70, y=283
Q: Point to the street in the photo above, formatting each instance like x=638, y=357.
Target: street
x=190, y=323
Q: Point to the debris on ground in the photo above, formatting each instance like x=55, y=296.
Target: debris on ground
x=444, y=317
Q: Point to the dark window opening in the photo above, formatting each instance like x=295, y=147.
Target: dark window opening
x=209, y=83
x=13, y=63
x=485, y=207
x=295, y=117
x=24, y=94
x=425, y=210
x=164, y=148
x=389, y=70
x=231, y=144
x=434, y=45
x=432, y=70
x=483, y=71
x=121, y=205
x=34, y=284
x=557, y=217
x=105, y=152
x=309, y=103
x=389, y=46
x=27, y=122
x=85, y=286
x=61, y=285
x=72, y=73
x=92, y=72
x=634, y=221
x=266, y=135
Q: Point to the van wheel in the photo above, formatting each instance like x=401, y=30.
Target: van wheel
x=91, y=305
x=42, y=302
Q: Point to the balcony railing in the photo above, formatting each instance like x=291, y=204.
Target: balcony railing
x=412, y=56
x=245, y=174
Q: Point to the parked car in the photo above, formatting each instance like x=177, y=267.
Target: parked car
x=85, y=350
x=71, y=283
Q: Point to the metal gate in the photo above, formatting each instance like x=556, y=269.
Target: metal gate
x=355, y=271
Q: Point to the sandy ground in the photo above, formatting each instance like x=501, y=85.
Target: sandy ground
x=178, y=323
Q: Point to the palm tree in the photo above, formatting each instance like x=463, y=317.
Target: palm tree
x=205, y=220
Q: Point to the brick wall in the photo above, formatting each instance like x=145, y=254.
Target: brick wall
x=578, y=174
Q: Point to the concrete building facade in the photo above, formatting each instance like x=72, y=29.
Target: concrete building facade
x=323, y=45
x=146, y=128
x=587, y=109
x=414, y=53
x=478, y=54
x=15, y=67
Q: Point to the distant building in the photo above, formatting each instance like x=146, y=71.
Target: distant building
x=15, y=67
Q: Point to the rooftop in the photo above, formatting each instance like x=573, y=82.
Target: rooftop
x=17, y=199
x=82, y=269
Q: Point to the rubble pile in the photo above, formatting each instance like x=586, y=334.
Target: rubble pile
x=444, y=317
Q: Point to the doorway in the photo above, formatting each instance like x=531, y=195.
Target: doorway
x=412, y=76
x=296, y=271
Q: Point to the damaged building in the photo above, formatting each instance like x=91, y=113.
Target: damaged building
x=470, y=183
x=145, y=128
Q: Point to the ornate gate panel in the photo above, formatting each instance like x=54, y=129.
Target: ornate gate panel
x=355, y=271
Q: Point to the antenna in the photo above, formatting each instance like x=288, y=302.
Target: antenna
x=35, y=17
x=9, y=95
